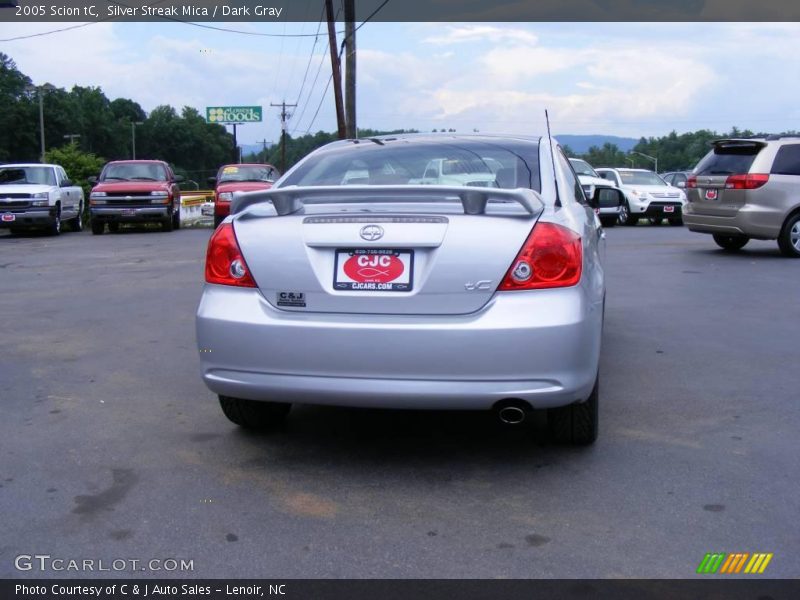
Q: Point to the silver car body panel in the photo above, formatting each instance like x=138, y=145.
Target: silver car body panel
x=452, y=342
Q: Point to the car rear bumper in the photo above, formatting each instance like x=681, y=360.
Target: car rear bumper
x=30, y=217
x=542, y=347
x=132, y=214
x=757, y=222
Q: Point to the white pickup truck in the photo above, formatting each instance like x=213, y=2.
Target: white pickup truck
x=34, y=196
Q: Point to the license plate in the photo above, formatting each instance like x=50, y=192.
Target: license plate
x=8, y=217
x=128, y=211
x=374, y=270
x=669, y=209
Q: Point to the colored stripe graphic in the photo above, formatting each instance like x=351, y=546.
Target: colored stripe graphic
x=728, y=564
x=710, y=563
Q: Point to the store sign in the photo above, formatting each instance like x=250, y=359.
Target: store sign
x=233, y=114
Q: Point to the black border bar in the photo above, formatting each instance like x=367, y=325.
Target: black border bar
x=409, y=11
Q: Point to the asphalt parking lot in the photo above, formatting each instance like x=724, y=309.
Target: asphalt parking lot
x=113, y=448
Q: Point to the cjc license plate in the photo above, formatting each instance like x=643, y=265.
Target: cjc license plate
x=8, y=217
x=669, y=209
x=374, y=270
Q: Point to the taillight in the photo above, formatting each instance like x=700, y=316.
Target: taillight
x=749, y=181
x=551, y=257
x=691, y=182
x=225, y=264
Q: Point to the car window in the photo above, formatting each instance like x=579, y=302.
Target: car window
x=787, y=161
x=135, y=171
x=575, y=191
x=581, y=167
x=727, y=159
x=640, y=178
x=610, y=175
x=247, y=173
x=25, y=175
x=456, y=162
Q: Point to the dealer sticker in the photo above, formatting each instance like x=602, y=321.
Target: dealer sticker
x=295, y=299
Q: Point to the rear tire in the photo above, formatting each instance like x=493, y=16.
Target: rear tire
x=77, y=223
x=576, y=424
x=98, y=227
x=608, y=221
x=176, y=220
x=789, y=238
x=253, y=414
x=676, y=222
x=731, y=243
x=113, y=227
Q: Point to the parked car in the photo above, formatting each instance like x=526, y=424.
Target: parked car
x=239, y=178
x=747, y=189
x=590, y=181
x=410, y=295
x=36, y=195
x=677, y=179
x=647, y=195
x=135, y=191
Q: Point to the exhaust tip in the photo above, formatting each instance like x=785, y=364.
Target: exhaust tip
x=511, y=415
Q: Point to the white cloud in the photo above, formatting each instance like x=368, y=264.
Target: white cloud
x=480, y=33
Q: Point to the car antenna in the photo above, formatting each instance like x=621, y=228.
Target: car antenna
x=552, y=156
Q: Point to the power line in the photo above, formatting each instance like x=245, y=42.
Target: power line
x=310, y=56
x=292, y=70
x=321, y=100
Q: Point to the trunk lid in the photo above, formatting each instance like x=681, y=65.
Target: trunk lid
x=415, y=258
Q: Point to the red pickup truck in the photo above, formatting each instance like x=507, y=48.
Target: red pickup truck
x=135, y=191
x=239, y=178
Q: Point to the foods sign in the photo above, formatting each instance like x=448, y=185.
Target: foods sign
x=233, y=114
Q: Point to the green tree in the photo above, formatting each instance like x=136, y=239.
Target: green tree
x=79, y=165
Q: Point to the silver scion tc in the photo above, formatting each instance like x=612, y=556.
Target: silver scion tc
x=399, y=291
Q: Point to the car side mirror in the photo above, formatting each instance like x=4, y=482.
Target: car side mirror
x=681, y=184
x=607, y=198
x=66, y=183
x=179, y=179
x=212, y=181
x=92, y=179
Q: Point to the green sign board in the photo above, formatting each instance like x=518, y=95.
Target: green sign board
x=233, y=114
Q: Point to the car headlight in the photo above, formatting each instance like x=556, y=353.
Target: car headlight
x=639, y=195
x=94, y=195
x=159, y=193
x=226, y=196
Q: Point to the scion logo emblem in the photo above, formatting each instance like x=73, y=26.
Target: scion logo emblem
x=371, y=232
x=483, y=284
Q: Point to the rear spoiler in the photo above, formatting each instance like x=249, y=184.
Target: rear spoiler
x=289, y=200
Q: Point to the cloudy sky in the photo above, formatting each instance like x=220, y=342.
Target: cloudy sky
x=628, y=79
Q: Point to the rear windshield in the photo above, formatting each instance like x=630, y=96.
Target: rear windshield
x=728, y=159
x=477, y=163
x=134, y=171
x=640, y=178
x=583, y=168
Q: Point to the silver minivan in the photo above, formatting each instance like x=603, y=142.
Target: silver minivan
x=747, y=189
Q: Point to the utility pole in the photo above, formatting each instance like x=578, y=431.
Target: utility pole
x=284, y=116
x=350, y=68
x=133, y=137
x=235, y=145
x=335, y=68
